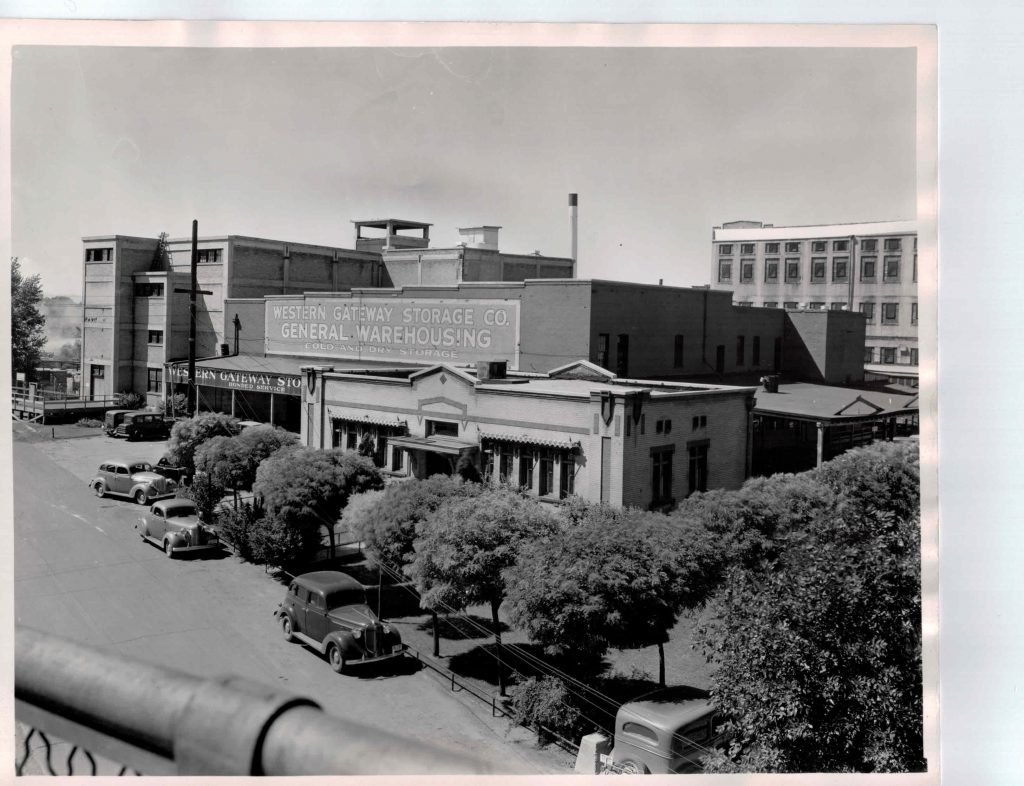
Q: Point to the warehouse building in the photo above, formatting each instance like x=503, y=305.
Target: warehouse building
x=577, y=429
x=870, y=268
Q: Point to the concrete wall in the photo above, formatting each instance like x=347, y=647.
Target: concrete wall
x=823, y=346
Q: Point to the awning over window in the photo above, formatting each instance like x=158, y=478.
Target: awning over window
x=382, y=419
x=436, y=444
x=526, y=439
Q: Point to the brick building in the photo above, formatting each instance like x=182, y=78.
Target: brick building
x=870, y=268
x=578, y=429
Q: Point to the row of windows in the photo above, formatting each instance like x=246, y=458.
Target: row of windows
x=208, y=255
x=148, y=289
x=819, y=268
x=661, y=471
x=817, y=246
x=741, y=344
x=890, y=312
x=908, y=356
x=99, y=254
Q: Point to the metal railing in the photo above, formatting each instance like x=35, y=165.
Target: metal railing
x=160, y=722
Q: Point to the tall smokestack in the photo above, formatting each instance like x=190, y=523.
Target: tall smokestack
x=572, y=230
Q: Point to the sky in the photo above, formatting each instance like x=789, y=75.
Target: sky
x=294, y=144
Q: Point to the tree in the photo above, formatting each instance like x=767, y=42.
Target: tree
x=27, y=322
x=128, y=399
x=303, y=490
x=610, y=578
x=463, y=548
x=207, y=493
x=818, y=647
x=188, y=435
x=387, y=525
x=233, y=461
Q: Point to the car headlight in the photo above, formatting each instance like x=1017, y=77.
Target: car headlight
x=357, y=633
x=387, y=629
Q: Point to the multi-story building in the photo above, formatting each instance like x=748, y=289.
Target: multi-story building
x=869, y=268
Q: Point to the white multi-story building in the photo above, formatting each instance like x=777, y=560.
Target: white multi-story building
x=866, y=267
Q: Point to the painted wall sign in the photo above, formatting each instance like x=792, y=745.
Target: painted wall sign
x=255, y=381
x=459, y=331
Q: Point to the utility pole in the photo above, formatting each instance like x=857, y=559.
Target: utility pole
x=193, y=290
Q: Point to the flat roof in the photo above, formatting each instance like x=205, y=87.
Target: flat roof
x=396, y=223
x=279, y=364
x=826, y=402
x=812, y=231
x=584, y=387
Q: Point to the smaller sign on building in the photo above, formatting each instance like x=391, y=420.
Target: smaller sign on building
x=253, y=381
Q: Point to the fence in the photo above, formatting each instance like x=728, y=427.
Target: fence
x=160, y=722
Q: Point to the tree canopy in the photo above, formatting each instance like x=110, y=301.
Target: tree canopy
x=27, y=322
x=188, y=435
x=818, y=644
x=233, y=460
x=303, y=490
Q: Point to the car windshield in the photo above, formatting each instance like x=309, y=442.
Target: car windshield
x=348, y=597
x=141, y=466
x=180, y=511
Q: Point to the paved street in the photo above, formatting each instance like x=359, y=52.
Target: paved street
x=82, y=572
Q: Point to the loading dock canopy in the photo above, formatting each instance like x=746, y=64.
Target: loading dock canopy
x=436, y=444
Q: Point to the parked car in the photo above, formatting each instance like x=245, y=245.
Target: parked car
x=667, y=731
x=174, y=526
x=142, y=425
x=327, y=610
x=112, y=419
x=168, y=470
x=135, y=479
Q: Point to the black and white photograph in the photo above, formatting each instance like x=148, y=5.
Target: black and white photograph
x=397, y=400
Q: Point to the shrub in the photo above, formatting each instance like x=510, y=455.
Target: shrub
x=89, y=423
x=128, y=399
x=545, y=705
x=207, y=493
x=239, y=527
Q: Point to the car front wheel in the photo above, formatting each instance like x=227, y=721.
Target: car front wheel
x=630, y=767
x=286, y=628
x=335, y=658
x=168, y=549
x=100, y=490
x=141, y=497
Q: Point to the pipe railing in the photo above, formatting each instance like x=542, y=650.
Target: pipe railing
x=160, y=722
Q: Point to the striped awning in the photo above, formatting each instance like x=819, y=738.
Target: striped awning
x=382, y=419
x=528, y=439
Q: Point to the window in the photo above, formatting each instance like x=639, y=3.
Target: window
x=725, y=249
x=208, y=255
x=149, y=289
x=622, y=356
x=792, y=248
x=771, y=270
x=698, y=466
x=771, y=248
x=661, y=474
x=98, y=254
x=505, y=458
x=699, y=422
x=837, y=306
x=889, y=355
x=840, y=268
x=663, y=426
x=869, y=354
x=867, y=268
x=351, y=437
x=792, y=270
x=442, y=428
x=818, y=246
x=566, y=476
x=913, y=313
x=771, y=304
x=677, y=353
x=892, y=268
x=789, y=304
x=817, y=268
x=747, y=270
x=746, y=303
x=840, y=245
x=915, y=242
x=746, y=248
x=915, y=267
x=741, y=347
x=914, y=357
x=867, y=308
x=526, y=469
x=397, y=457
x=154, y=380
x=547, y=473
x=602, y=350
x=869, y=244
x=816, y=306
x=890, y=313
x=755, y=351
x=156, y=337
x=725, y=270
x=893, y=244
